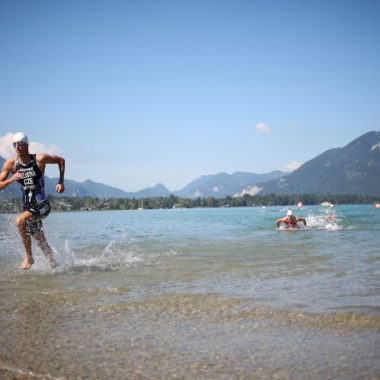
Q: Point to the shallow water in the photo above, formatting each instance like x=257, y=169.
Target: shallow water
x=197, y=294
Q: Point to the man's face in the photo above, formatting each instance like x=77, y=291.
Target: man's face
x=19, y=146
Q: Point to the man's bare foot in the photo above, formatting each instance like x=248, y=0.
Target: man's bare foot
x=52, y=261
x=27, y=263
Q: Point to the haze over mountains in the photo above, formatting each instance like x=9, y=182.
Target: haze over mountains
x=353, y=169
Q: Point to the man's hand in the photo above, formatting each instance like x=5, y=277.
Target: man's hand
x=16, y=176
x=60, y=188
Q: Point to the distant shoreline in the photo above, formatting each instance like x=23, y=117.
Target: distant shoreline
x=70, y=204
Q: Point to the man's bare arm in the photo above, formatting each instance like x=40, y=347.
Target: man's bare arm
x=5, y=171
x=44, y=159
x=301, y=220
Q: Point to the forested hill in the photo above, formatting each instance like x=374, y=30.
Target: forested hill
x=353, y=169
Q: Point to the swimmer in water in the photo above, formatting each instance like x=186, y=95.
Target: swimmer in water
x=290, y=220
x=330, y=217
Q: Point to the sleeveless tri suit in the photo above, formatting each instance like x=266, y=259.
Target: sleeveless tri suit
x=291, y=222
x=33, y=191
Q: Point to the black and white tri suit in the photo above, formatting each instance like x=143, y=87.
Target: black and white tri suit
x=33, y=191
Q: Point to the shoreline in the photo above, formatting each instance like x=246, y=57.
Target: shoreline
x=71, y=204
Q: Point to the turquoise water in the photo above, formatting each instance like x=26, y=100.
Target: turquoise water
x=198, y=293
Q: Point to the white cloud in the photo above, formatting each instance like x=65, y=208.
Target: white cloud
x=262, y=128
x=291, y=166
x=6, y=148
x=36, y=147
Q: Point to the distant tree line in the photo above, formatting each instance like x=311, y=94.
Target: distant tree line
x=92, y=204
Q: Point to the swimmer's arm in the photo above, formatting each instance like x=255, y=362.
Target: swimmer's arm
x=302, y=220
x=44, y=159
x=5, y=171
x=278, y=221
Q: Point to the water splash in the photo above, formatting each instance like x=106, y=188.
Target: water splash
x=113, y=256
x=322, y=223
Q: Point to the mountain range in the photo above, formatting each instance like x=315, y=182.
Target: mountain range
x=353, y=169
x=222, y=185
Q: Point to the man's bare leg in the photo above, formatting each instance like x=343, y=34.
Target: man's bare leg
x=45, y=248
x=21, y=222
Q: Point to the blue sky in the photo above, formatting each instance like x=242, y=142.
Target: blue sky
x=133, y=93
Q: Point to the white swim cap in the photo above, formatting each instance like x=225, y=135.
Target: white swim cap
x=290, y=212
x=20, y=136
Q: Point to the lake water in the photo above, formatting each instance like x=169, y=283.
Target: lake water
x=194, y=294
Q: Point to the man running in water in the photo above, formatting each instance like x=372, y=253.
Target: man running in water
x=28, y=170
x=290, y=220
